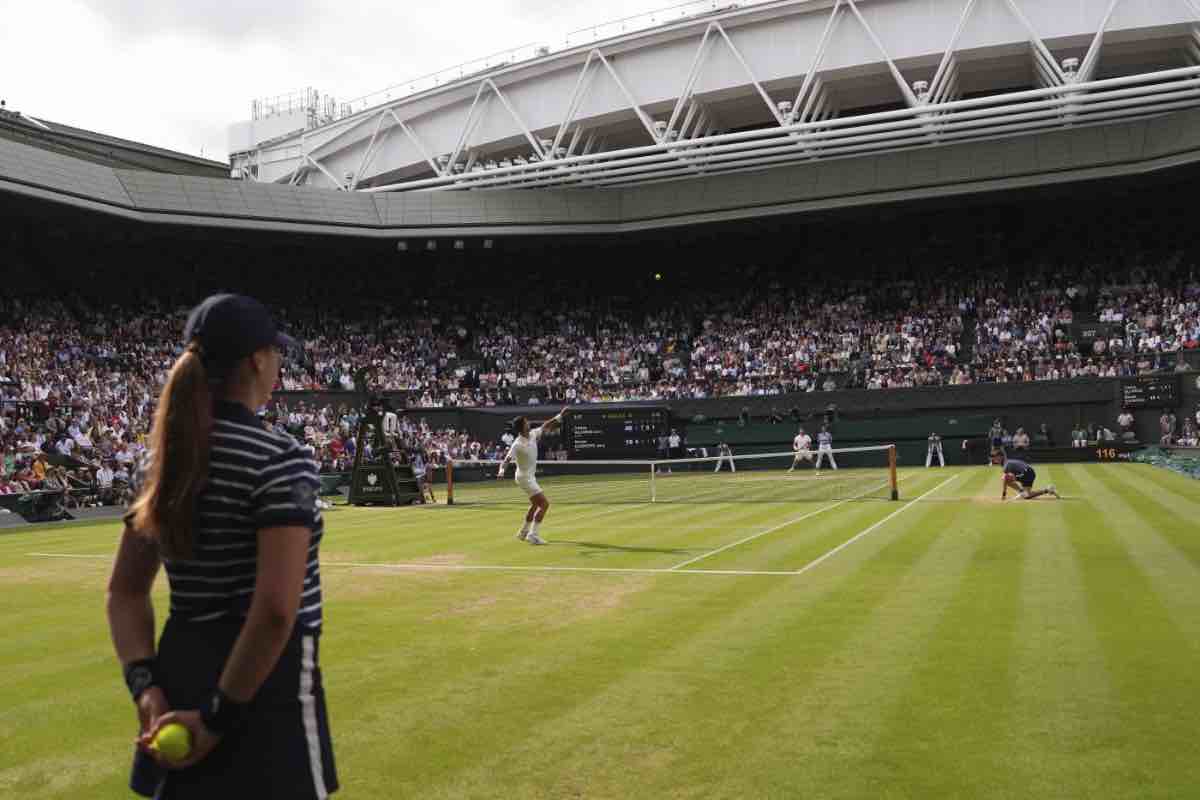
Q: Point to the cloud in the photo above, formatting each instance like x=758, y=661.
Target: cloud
x=225, y=22
x=177, y=73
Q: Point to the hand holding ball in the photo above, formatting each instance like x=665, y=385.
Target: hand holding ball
x=174, y=741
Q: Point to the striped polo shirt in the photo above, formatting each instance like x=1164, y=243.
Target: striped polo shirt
x=256, y=479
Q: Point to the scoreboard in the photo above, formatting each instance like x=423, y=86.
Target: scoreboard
x=1150, y=391
x=615, y=432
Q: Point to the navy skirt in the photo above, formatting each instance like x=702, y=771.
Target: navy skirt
x=284, y=750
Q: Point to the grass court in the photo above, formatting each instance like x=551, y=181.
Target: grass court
x=946, y=645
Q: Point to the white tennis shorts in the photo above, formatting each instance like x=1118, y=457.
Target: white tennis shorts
x=529, y=485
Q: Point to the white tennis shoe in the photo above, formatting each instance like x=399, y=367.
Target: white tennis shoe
x=533, y=538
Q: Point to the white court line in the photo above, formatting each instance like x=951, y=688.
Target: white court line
x=492, y=567
x=754, y=536
x=784, y=524
x=540, y=568
x=71, y=555
x=860, y=535
x=418, y=567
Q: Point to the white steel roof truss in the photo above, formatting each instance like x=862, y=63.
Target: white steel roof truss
x=1108, y=99
x=369, y=153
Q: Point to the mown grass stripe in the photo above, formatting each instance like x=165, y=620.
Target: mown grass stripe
x=824, y=725
x=948, y=735
x=1175, y=520
x=1181, y=487
x=692, y=671
x=1150, y=661
x=1150, y=535
x=1064, y=706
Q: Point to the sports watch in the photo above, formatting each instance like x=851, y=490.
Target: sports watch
x=139, y=676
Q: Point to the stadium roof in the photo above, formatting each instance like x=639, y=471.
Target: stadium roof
x=1139, y=148
x=100, y=148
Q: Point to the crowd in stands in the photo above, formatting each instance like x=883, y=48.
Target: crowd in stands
x=332, y=433
x=82, y=360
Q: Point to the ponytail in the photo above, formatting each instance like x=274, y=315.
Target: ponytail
x=165, y=510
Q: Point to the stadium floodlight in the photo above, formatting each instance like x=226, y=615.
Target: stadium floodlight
x=402, y=246
x=458, y=244
x=431, y=244
x=1070, y=67
x=921, y=90
x=487, y=244
x=660, y=129
x=504, y=162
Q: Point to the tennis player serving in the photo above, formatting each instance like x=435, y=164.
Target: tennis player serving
x=1019, y=477
x=524, y=451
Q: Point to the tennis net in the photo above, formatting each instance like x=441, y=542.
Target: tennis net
x=861, y=473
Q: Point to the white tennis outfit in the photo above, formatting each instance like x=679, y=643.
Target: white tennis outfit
x=825, y=448
x=524, y=451
x=802, y=444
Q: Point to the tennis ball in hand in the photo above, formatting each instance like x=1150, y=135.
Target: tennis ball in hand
x=174, y=741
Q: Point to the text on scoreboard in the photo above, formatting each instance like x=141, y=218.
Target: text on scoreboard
x=1150, y=391
x=616, y=432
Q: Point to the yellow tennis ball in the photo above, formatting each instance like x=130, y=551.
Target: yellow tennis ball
x=658, y=276
x=174, y=741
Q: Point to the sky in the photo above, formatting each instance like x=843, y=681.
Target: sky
x=177, y=73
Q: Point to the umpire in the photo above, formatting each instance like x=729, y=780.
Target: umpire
x=229, y=509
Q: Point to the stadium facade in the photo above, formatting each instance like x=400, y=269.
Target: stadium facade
x=778, y=108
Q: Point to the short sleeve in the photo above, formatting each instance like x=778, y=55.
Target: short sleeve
x=287, y=490
x=535, y=435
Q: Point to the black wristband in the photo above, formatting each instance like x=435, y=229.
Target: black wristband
x=220, y=714
x=140, y=675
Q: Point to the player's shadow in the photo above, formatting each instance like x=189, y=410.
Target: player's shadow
x=601, y=547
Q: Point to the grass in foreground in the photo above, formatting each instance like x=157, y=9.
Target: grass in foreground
x=961, y=648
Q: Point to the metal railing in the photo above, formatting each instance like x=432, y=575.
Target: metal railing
x=652, y=19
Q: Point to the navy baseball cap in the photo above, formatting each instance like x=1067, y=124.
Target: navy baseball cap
x=232, y=326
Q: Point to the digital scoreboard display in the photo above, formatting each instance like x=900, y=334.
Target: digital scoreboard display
x=616, y=433
x=1150, y=391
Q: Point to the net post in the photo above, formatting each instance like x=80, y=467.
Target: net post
x=892, y=472
x=450, y=481
x=653, y=489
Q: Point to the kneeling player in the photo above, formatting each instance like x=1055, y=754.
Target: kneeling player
x=1020, y=477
